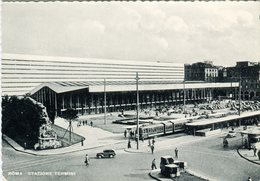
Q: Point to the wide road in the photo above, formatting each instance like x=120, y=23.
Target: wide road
x=206, y=157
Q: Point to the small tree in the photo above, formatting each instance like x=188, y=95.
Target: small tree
x=69, y=114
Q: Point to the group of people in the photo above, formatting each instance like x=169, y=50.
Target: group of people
x=131, y=134
x=84, y=122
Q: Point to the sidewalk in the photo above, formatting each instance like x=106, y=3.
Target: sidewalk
x=248, y=155
x=94, y=138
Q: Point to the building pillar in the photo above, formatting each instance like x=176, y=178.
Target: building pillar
x=85, y=99
x=70, y=100
x=56, y=107
x=210, y=94
x=62, y=101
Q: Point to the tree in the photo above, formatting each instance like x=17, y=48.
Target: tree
x=69, y=114
x=21, y=118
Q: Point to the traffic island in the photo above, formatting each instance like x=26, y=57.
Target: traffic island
x=185, y=176
x=248, y=155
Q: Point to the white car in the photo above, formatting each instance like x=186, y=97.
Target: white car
x=231, y=134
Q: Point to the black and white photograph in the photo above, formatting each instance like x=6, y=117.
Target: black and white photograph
x=130, y=91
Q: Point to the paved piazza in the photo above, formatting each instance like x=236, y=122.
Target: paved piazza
x=205, y=156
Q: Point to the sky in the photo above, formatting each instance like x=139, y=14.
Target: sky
x=181, y=32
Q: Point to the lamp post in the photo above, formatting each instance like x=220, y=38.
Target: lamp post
x=105, y=103
x=184, y=96
x=137, y=110
x=239, y=110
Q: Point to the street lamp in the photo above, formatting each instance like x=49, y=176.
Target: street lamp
x=137, y=109
x=184, y=96
x=105, y=103
x=239, y=110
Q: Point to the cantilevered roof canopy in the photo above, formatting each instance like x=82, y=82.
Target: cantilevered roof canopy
x=118, y=86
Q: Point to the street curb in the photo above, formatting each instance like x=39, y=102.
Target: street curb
x=151, y=175
x=245, y=157
x=130, y=151
x=35, y=154
x=187, y=170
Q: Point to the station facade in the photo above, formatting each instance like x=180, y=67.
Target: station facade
x=22, y=73
x=88, y=97
x=65, y=82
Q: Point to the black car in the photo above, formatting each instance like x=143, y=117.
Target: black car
x=106, y=154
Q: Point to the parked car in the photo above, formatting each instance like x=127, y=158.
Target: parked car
x=106, y=154
x=231, y=134
x=165, y=160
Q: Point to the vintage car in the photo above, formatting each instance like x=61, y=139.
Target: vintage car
x=165, y=160
x=106, y=154
x=231, y=134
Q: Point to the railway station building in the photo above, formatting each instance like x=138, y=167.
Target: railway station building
x=64, y=82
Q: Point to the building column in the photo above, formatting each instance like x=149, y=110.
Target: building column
x=70, y=100
x=56, y=111
x=62, y=101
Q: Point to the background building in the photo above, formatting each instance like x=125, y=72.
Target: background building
x=249, y=74
x=202, y=71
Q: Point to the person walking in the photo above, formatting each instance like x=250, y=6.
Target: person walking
x=258, y=154
x=125, y=133
x=255, y=150
x=129, y=144
x=153, y=141
x=152, y=148
x=176, y=152
x=87, y=160
x=249, y=179
x=82, y=142
x=154, y=164
x=149, y=142
x=91, y=124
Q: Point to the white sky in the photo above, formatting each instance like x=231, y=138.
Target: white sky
x=186, y=32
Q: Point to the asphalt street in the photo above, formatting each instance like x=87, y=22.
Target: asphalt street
x=206, y=157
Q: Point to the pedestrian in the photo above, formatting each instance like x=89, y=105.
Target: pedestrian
x=153, y=141
x=149, y=142
x=25, y=145
x=176, y=152
x=152, y=148
x=87, y=160
x=91, y=124
x=255, y=150
x=129, y=144
x=125, y=133
x=154, y=164
x=249, y=179
x=86, y=122
x=258, y=154
x=82, y=142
